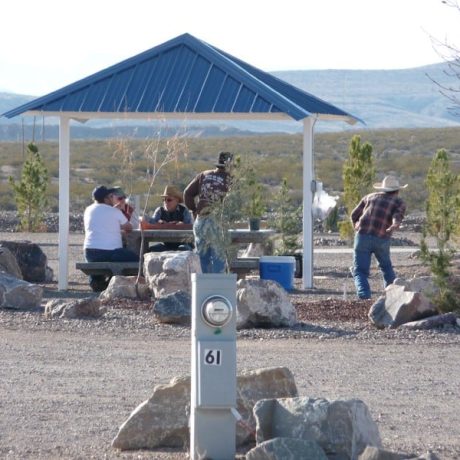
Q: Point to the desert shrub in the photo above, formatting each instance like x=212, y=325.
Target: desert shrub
x=30, y=190
x=442, y=217
x=287, y=221
x=358, y=176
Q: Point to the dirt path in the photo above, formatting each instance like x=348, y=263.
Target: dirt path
x=63, y=395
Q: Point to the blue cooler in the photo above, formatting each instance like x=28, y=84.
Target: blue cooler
x=278, y=268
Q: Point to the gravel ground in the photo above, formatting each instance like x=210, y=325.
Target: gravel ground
x=66, y=385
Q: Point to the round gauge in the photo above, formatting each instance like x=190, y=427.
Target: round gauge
x=216, y=311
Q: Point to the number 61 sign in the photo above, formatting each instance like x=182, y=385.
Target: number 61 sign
x=212, y=357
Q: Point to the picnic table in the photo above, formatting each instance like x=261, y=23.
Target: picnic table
x=184, y=234
x=179, y=234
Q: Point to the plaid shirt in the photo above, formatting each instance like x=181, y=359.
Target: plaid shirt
x=376, y=212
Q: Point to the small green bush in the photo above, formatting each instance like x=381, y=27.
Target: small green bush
x=442, y=217
x=287, y=221
x=358, y=176
x=30, y=191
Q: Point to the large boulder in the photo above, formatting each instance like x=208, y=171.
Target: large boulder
x=343, y=428
x=169, y=271
x=263, y=303
x=9, y=264
x=399, y=306
x=89, y=307
x=252, y=386
x=173, y=308
x=125, y=287
x=31, y=260
x=18, y=294
x=162, y=420
x=445, y=320
x=423, y=284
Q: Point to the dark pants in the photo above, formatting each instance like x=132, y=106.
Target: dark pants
x=169, y=246
x=100, y=282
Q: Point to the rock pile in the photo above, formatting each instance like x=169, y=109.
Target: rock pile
x=408, y=304
x=18, y=294
x=162, y=420
x=273, y=416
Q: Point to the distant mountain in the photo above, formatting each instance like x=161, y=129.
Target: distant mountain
x=10, y=101
x=405, y=98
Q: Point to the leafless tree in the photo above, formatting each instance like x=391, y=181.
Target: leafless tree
x=159, y=152
x=450, y=54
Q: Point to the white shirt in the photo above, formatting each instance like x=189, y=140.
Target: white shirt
x=102, y=227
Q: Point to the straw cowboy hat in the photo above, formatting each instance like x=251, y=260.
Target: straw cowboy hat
x=171, y=190
x=389, y=184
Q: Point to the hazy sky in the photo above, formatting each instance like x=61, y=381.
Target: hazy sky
x=47, y=44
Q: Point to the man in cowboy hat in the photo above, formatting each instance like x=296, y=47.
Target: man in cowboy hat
x=207, y=188
x=374, y=219
x=172, y=212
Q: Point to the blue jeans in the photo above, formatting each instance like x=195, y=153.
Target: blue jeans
x=100, y=282
x=365, y=246
x=212, y=256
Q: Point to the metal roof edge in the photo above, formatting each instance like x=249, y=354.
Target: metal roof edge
x=350, y=119
x=85, y=116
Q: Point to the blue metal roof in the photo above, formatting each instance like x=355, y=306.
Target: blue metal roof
x=183, y=76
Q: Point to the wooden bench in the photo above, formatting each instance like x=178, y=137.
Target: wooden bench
x=241, y=266
x=108, y=268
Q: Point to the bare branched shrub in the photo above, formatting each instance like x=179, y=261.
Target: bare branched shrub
x=158, y=153
x=124, y=153
x=450, y=54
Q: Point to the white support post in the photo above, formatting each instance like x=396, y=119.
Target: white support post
x=307, y=280
x=64, y=184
